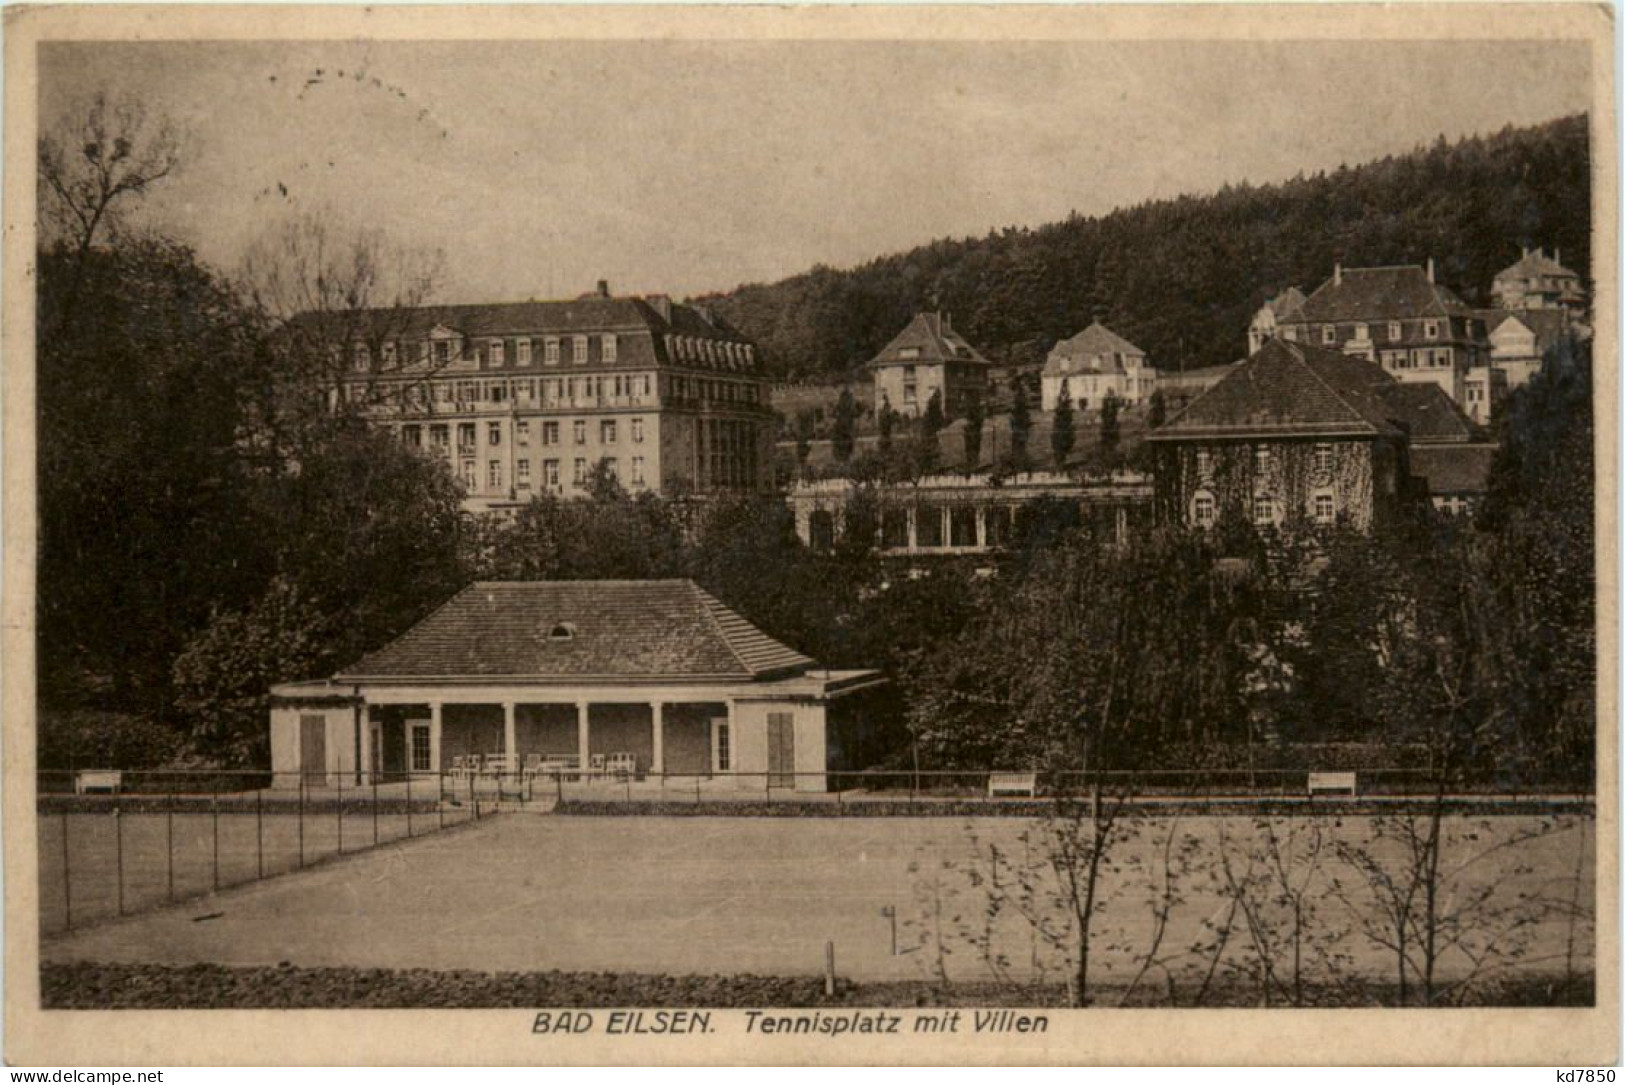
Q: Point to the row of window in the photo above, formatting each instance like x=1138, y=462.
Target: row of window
x=606, y=389
x=609, y=430
x=719, y=352
x=551, y=349
x=1324, y=457
x=1395, y=330
x=1438, y=358
x=1265, y=509
x=494, y=481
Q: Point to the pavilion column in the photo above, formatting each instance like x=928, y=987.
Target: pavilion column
x=434, y=736
x=981, y=527
x=510, y=741
x=913, y=526
x=583, y=738
x=659, y=723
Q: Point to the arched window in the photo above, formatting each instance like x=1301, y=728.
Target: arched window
x=562, y=631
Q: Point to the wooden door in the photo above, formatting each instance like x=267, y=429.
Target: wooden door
x=781, y=749
x=313, y=749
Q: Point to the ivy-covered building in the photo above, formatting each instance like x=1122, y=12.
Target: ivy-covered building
x=1300, y=434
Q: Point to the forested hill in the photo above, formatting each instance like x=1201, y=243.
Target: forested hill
x=1183, y=277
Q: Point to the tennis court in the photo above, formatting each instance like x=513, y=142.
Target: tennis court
x=730, y=895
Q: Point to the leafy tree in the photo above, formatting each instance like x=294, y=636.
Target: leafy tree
x=974, y=421
x=887, y=422
x=1021, y=424
x=223, y=677
x=1109, y=430
x=843, y=437
x=147, y=514
x=1062, y=436
x=804, y=435
x=1157, y=410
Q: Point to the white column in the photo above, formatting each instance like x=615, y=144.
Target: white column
x=434, y=736
x=913, y=537
x=510, y=740
x=981, y=527
x=583, y=743
x=659, y=723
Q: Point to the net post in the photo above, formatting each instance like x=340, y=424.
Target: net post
x=340, y=805
x=67, y=876
x=169, y=843
x=259, y=831
x=118, y=854
x=301, y=821
x=214, y=803
x=375, y=809
x=408, y=804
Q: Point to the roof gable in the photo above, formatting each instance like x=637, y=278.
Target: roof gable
x=583, y=630
x=927, y=339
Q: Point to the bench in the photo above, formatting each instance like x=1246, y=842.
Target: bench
x=1012, y=783
x=1333, y=783
x=110, y=781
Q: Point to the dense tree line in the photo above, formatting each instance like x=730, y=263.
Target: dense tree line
x=1182, y=277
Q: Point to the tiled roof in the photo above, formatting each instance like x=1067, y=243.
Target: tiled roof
x=1093, y=350
x=934, y=338
x=1290, y=389
x=586, y=314
x=1428, y=413
x=1454, y=469
x=1380, y=293
x=618, y=630
x=1536, y=262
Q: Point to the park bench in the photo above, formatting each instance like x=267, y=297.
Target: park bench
x=1333, y=783
x=110, y=781
x=1012, y=783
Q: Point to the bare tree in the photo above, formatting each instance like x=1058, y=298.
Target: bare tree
x=90, y=169
x=347, y=331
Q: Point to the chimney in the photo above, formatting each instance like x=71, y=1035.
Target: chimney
x=1557, y=256
x=1526, y=252
x=603, y=288
x=1337, y=273
x=1430, y=269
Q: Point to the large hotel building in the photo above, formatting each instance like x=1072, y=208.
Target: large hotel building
x=528, y=398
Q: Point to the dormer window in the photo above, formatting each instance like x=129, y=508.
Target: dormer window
x=496, y=352
x=1431, y=329
x=1394, y=331
x=578, y=350
x=562, y=631
x=909, y=352
x=611, y=348
x=1328, y=334
x=362, y=358
x=523, y=351
x=550, y=348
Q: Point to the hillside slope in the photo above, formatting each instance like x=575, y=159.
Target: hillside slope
x=1182, y=277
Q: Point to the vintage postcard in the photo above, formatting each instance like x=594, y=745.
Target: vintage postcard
x=878, y=534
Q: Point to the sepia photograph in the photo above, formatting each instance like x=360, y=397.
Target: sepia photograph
x=763, y=531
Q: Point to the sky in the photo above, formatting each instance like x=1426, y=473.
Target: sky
x=539, y=168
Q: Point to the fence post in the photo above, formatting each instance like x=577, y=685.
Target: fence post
x=67, y=877
x=558, y=778
x=408, y=804
x=340, y=805
x=259, y=832
x=214, y=803
x=169, y=844
x=375, y=810
x=118, y=854
x=440, y=795
x=473, y=799
x=301, y=820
